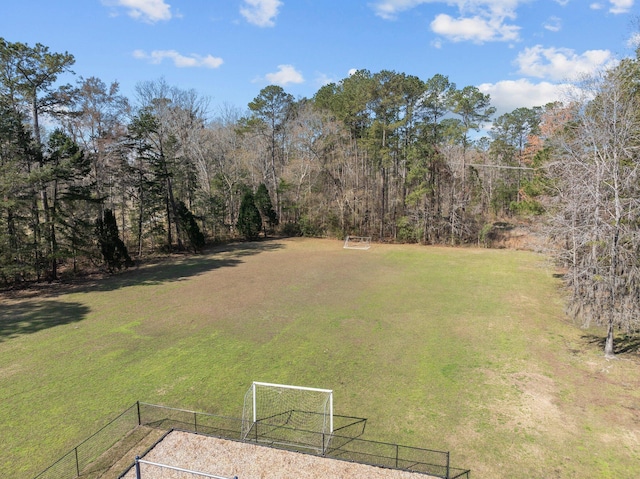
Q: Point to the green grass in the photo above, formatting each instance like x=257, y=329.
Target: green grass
x=465, y=350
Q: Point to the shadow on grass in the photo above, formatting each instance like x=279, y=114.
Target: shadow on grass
x=626, y=344
x=172, y=268
x=33, y=316
x=176, y=269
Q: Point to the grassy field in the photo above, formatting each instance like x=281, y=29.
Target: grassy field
x=465, y=350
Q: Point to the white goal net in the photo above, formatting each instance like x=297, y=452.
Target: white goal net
x=284, y=414
x=357, y=242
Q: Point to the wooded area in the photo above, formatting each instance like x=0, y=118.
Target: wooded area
x=91, y=178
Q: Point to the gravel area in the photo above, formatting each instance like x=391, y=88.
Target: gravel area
x=230, y=459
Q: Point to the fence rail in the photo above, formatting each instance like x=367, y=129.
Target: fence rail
x=344, y=444
x=139, y=474
x=354, y=449
x=167, y=418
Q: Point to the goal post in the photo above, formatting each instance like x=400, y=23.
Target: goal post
x=357, y=242
x=282, y=412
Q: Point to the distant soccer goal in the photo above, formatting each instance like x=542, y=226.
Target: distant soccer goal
x=357, y=242
x=285, y=414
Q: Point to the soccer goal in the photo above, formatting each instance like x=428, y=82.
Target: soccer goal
x=288, y=415
x=357, y=242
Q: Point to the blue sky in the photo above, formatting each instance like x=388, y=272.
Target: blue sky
x=521, y=52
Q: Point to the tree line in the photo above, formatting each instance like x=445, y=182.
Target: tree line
x=91, y=178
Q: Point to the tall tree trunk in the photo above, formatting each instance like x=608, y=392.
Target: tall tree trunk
x=37, y=234
x=140, y=214
x=608, y=345
x=168, y=212
x=43, y=193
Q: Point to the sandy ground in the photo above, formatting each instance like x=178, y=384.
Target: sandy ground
x=230, y=459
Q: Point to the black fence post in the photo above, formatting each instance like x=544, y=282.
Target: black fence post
x=139, y=418
x=397, y=454
x=77, y=461
x=195, y=421
x=137, y=467
x=447, y=464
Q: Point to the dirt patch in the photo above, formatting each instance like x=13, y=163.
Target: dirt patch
x=538, y=410
x=511, y=236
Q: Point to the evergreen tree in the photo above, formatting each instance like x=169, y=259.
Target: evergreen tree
x=16, y=245
x=27, y=79
x=113, y=249
x=249, y=220
x=271, y=112
x=72, y=206
x=190, y=227
x=143, y=181
x=265, y=207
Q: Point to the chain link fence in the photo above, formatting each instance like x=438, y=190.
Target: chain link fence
x=351, y=448
x=345, y=444
x=80, y=459
x=167, y=418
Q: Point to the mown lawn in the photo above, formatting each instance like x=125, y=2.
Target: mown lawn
x=466, y=350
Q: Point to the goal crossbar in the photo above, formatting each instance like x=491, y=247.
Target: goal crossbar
x=288, y=386
x=329, y=392
x=288, y=414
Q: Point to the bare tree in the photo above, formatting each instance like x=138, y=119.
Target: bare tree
x=178, y=118
x=221, y=168
x=598, y=202
x=97, y=125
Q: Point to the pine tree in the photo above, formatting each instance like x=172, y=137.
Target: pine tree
x=16, y=246
x=265, y=207
x=189, y=226
x=113, y=249
x=249, y=220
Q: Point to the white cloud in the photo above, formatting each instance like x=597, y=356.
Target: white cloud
x=562, y=3
x=596, y=6
x=478, y=21
x=388, y=9
x=634, y=41
x=286, y=74
x=323, y=79
x=561, y=63
x=149, y=11
x=475, y=29
x=260, y=12
x=553, y=24
x=180, y=61
x=508, y=95
x=621, y=6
